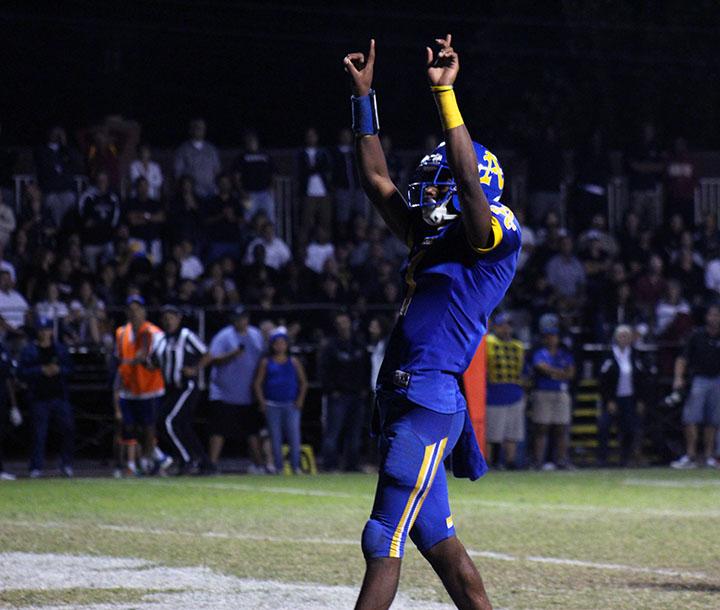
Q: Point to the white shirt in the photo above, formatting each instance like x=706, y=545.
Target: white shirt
x=528, y=240
x=625, y=383
x=317, y=254
x=10, y=268
x=377, y=353
x=665, y=313
x=712, y=275
x=13, y=307
x=191, y=268
x=152, y=173
x=315, y=186
x=52, y=311
x=277, y=254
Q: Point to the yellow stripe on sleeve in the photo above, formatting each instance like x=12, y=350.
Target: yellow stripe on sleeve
x=497, y=237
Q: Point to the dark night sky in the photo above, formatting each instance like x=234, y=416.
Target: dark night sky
x=277, y=66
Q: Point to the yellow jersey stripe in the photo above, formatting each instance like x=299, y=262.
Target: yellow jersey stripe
x=410, y=281
x=436, y=462
x=422, y=475
x=497, y=236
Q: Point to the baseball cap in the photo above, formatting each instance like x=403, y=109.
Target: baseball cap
x=135, y=298
x=170, y=308
x=239, y=312
x=44, y=323
x=278, y=333
x=549, y=324
x=502, y=318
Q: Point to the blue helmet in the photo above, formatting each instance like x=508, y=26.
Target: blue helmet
x=434, y=171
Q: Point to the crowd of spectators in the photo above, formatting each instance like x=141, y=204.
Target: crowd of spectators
x=198, y=234
x=203, y=236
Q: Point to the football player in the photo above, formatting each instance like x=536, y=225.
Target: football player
x=464, y=246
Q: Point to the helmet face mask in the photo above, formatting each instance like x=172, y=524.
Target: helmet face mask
x=437, y=215
x=432, y=188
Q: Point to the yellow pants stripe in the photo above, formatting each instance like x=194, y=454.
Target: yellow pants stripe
x=426, y=465
x=438, y=460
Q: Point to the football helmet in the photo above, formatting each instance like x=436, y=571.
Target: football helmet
x=432, y=186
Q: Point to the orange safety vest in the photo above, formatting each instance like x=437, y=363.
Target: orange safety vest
x=137, y=380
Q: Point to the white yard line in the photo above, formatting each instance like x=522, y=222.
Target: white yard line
x=505, y=505
x=590, y=508
x=183, y=588
x=347, y=542
x=293, y=491
x=673, y=483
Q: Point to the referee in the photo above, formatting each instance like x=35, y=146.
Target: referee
x=180, y=354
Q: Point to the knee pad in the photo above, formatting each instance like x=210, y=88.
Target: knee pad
x=376, y=539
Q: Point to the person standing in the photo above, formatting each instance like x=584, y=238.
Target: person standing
x=9, y=412
x=344, y=375
x=56, y=164
x=554, y=368
x=234, y=355
x=280, y=388
x=463, y=251
x=349, y=200
x=140, y=387
x=13, y=306
x=378, y=333
x=505, y=391
x=99, y=212
x=180, y=355
x=314, y=167
x=45, y=367
x=145, y=167
x=700, y=363
x=199, y=159
x=622, y=378
x=253, y=172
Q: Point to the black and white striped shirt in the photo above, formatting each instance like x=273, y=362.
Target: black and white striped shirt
x=176, y=351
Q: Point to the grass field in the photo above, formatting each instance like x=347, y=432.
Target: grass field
x=577, y=540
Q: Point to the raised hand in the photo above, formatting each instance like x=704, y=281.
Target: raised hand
x=360, y=70
x=443, y=69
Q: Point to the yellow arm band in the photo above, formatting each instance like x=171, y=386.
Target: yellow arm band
x=447, y=106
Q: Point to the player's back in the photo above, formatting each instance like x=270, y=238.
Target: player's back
x=451, y=290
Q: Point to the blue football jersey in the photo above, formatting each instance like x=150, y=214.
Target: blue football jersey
x=451, y=289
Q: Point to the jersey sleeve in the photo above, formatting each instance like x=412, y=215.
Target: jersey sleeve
x=218, y=345
x=196, y=344
x=506, y=234
x=536, y=358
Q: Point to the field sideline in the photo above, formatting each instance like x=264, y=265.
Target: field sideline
x=625, y=540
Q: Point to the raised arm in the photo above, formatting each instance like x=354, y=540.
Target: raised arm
x=442, y=72
x=372, y=167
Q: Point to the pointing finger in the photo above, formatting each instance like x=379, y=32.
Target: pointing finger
x=449, y=39
x=429, y=55
x=371, y=52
